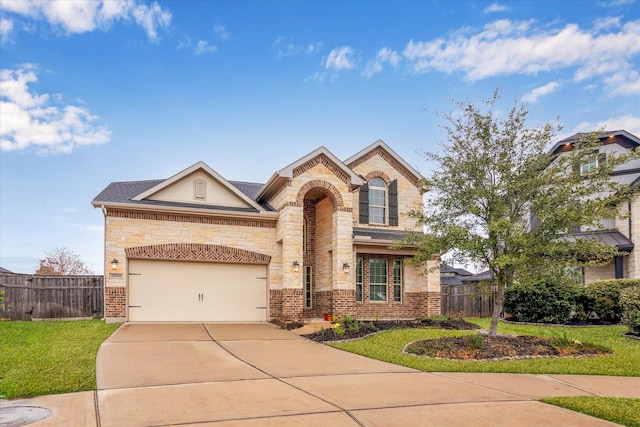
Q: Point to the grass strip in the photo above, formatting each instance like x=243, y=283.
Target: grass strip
x=38, y=358
x=625, y=360
x=615, y=409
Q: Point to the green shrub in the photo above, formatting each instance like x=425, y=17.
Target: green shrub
x=603, y=297
x=541, y=301
x=348, y=323
x=476, y=341
x=630, y=302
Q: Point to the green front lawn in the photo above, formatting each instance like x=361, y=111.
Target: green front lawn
x=38, y=358
x=625, y=360
x=614, y=409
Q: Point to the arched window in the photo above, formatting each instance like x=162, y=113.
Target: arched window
x=374, y=200
x=377, y=201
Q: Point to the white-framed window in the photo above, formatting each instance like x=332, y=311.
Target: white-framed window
x=397, y=280
x=308, y=282
x=377, y=280
x=359, y=276
x=377, y=201
x=595, y=160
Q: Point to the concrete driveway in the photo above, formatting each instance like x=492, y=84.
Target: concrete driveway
x=256, y=374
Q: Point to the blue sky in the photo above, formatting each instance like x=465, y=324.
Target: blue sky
x=94, y=92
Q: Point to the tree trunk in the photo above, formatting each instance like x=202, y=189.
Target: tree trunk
x=497, y=309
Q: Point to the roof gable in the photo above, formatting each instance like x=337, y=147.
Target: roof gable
x=383, y=150
x=319, y=156
x=213, y=189
x=621, y=137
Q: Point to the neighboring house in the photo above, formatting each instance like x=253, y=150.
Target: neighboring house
x=314, y=239
x=4, y=270
x=482, y=277
x=453, y=276
x=618, y=232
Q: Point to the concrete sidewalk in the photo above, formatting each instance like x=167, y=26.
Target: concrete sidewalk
x=257, y=374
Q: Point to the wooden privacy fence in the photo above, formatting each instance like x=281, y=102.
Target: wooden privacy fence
x=28, y=297
x=470, y=300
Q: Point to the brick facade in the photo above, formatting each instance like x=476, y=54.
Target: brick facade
x=115, y=302
x=317, y=208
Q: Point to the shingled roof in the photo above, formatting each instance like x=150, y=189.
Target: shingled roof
x=125, y=191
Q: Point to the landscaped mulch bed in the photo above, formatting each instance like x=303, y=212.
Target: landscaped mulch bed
x=468, y=347
x=367, y=328
x=478, y=347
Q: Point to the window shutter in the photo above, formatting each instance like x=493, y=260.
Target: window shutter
x=364, y=204
x=393, y=203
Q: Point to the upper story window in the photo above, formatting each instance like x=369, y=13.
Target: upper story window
x=377, y=201
x=592, y=163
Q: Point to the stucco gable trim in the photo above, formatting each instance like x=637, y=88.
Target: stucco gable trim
x=379, y=147
x=197, y=252
x=188, y=171
x=319, y=156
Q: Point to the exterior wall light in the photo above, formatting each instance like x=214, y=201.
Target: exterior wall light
x=346, y=267
x=114, y=264
x=296, y=266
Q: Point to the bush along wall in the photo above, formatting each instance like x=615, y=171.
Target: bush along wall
x=541, y=302
x=630, y=302
x=603, y=298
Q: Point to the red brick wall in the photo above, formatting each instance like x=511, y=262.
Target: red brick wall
x=275, y=303
x=115, y=302
x=292, y=304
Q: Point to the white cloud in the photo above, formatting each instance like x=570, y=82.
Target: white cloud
x=33, y=121
x=81, y=16
x=624, y=82
x=340, y=59
x=221, y=31
x=184, y=42
x=312, y=48
x=151, y=17
x=607, y=23
x=507, y=47
x=6, y=27
x=495, y=7
x=629, y=122
x=541, y=91
x=318, y=77
x=384, y=55
x=289, y=48
x=203, y=46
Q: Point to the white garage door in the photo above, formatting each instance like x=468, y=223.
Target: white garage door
x=161, y=291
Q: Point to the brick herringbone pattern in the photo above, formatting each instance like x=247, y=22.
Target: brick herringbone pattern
x=389, y=159
x=321, y=160
x=197, y=252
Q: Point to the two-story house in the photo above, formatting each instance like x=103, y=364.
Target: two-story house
x=314, y=239
x=620, y=232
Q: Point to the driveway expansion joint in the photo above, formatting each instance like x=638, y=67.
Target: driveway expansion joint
x=282, y=381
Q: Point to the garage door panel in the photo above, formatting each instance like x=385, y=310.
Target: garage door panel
x=189, y=291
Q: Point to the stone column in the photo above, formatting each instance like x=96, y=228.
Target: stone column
x=344, y=288
x=291, y=223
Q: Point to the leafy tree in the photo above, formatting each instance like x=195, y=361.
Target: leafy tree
x=492, y=174
x=62, y=261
